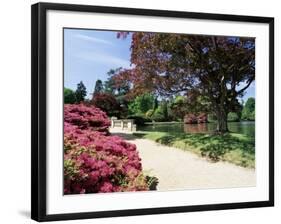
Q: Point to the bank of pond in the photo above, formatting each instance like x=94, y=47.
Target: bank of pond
x=243, y=127
x=237, y=146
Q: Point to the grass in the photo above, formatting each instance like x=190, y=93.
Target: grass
x=235, y=148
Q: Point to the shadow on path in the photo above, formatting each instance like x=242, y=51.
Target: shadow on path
x=126, y=136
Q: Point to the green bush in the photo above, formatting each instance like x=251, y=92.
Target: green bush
x=233, y=117
x=161, y=113
x=158, y=115
x=139, y=120
x=149, y=113
x=69, y=96
x=212, y=117
x=248, y=112
x=141, y=104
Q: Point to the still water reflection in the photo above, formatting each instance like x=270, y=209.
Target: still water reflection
x=244, y=127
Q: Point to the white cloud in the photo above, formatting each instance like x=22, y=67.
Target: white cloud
x=93, y=39
x=105, y=59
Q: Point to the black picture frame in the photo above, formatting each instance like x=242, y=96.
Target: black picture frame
x=39, y=108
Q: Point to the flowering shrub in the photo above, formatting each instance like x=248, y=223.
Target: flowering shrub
x=86, y=117
x=95, y=162
x=108, y=103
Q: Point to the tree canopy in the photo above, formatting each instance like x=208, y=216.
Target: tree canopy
x=216, y=68
x=69, y=96
x=141, y=104
x=248, y=112
x=98, y=87
x=107, y=103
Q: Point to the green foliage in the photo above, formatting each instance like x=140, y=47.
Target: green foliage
x=98, y=87
x=212, y=117
x=80, y=92
x=248, y=112
x=207, y=69
x=109, y=85
x=155, y=103
x=119, y=88
x=213, y=152
x=70, y=169
x=152, y=182
x=178, y=108
x=69, y=96
x=233, y=117
x=161, y=113
x=141, y=104
x=149, y=113
x=164, y=108
x=139, y=119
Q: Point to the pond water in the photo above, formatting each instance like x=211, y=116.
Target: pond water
x=244, y=127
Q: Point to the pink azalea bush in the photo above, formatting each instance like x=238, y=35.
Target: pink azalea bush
x=86, y=117
x=95, y=161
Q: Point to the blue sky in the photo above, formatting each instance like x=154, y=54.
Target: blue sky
x=90, y=54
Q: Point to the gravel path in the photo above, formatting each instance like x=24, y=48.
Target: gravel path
x=178, y=169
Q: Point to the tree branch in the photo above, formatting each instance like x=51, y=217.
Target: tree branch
x=246, y=87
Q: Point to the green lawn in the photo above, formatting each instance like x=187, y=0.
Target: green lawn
x=232, y=147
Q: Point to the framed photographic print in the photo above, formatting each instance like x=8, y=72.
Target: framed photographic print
x=139, y=111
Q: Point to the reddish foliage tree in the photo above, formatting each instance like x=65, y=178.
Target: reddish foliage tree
x=211, y=66
x=107, y=103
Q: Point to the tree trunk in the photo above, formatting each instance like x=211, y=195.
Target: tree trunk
x=222, y=121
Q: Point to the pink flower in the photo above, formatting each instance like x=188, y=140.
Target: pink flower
x=106, y=187
x=97, y=162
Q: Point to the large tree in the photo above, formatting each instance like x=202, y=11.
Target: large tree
x=217, y=68
x=118, y=88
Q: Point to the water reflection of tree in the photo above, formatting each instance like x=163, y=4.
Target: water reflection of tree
x=196, y=128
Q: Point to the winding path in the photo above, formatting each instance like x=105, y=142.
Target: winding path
x=178, y=169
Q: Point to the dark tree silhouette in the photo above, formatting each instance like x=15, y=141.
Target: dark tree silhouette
x=98, y=87
x=80, y=92
x=107, y=103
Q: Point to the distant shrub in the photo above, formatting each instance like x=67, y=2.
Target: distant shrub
x=69, y=96
x=212, y=117
x=233, y=117
x=248, y=112
x=149, y=113
x=141, y=104
x=139, y=120
x=160, y=114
